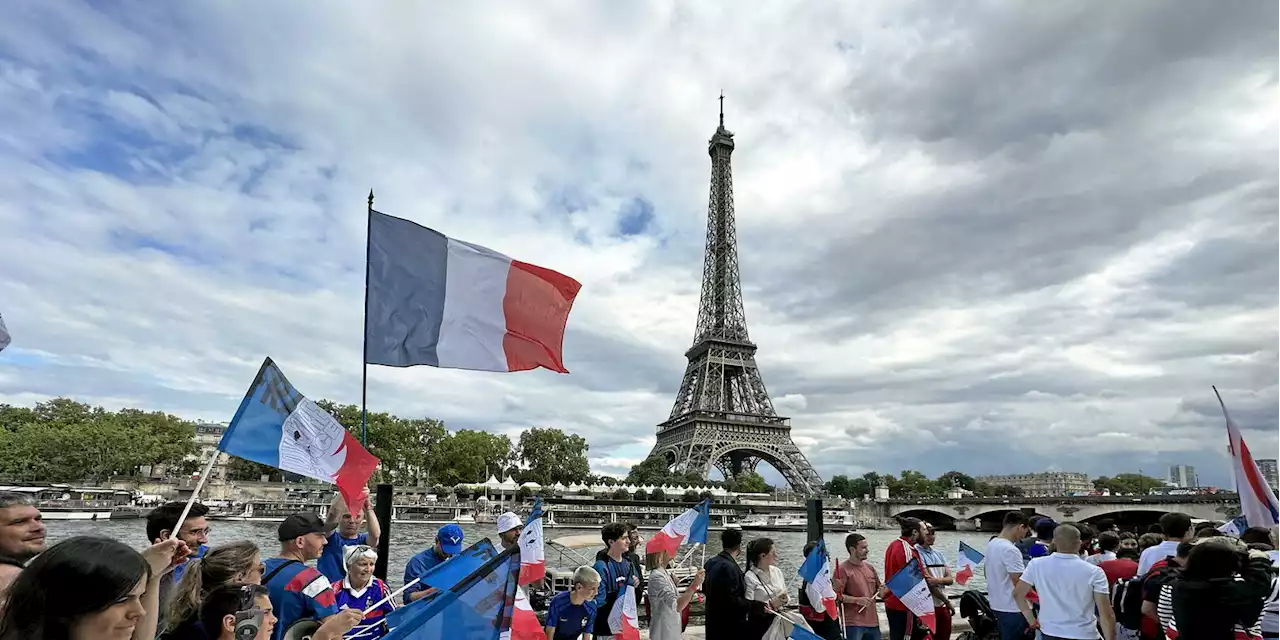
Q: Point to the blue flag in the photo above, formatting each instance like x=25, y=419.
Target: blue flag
x=476, y=608
x=444, y=575
x=800, y=633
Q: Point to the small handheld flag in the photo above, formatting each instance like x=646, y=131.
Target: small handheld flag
x=533, y=564
x=1257, y=503
x=816, y=572
x=967, y=562
x=689, y=527
x=909, y=586
x=279, y=427
x=524, y=622
x=622, y=619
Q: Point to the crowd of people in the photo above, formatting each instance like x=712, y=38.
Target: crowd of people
x=1045, y=580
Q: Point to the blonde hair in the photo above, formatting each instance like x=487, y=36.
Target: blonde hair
x=656, y=560
x=586, y=576
x=222, y=565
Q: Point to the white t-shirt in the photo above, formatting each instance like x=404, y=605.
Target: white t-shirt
x=1066, y=585
x=1100, y=558
x=1003, y=558
x=1152, y=555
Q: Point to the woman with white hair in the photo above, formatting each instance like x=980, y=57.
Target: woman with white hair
x=360, y=590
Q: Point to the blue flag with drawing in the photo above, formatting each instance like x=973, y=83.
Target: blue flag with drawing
x=475, y=608
x=445, y=575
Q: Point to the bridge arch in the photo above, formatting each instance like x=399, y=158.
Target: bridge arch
x=937, y=518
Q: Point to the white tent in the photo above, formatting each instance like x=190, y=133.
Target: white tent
x=558, y=486
x=531, y=485
x=508, y=485
x=492, y=483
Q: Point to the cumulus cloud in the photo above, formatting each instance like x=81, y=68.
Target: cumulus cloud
x=989, y=239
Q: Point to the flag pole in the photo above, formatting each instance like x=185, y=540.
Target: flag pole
x=364, y=359
x=195, y=493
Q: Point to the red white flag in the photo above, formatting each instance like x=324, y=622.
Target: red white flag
x=622, y=620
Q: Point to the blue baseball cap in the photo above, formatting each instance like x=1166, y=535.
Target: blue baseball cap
x=450, y=539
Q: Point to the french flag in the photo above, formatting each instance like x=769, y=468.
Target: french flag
x=524, y=622
x=816, y=571
x=279, y=427
x=435, y=300
x=533, y=564
x=967, y=562
x=909, y=586
x=622, y=619
x=689, y=527
x=1258, y=504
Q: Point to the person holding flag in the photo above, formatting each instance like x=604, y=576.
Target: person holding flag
x=909, y=587
x=817, y=593
x=858, y=587
x=897, y=555
x=938, y=576
x=667, y=606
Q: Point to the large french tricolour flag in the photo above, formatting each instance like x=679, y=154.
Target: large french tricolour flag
x=622, y=619
x=967, y=561
x=533, y=563
x=1258, y=504
x=279, y=427
x=689, y=527
x=438, y=301
x=524, y=622
x=909, y=586
x=816, y=572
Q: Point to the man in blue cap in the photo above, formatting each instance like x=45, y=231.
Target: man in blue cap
x=448, y=544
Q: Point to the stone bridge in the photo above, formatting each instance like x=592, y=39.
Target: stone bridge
x=982, y=513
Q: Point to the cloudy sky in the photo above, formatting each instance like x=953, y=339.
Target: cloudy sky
x=977, y=237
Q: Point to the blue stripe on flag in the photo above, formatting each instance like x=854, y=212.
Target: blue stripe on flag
x=814, y=563
x=408, y=265
x=473, y=609
x=255, y=431
x=444, y=575
x=698, y=532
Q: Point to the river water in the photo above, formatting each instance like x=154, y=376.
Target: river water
x=408, y=539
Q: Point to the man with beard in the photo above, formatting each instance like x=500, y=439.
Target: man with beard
x=896, y=556
x=21, y=535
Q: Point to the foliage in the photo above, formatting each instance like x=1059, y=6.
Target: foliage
x=524, y=493
x=653, y=470
x=404, y=445
x=587, y=492
x=620, y=494
x=467, y=456
x=462, y=493
x=1128, y=483
x=551, y=455
x=747, y=482
x=690, y=496
x=64, y=440
x=640, y=494
x=658, y=495
x=245, y=470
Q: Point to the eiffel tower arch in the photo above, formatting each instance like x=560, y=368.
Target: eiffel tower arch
x=723, y=417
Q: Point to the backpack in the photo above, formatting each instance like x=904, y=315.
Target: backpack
x=1126, y=601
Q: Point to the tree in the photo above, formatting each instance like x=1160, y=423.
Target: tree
x=1128, y=483
x=839, y=486
x=640, y=494
x=249, y=471
x=404, y=445
x=621, y=494
x=658, y=495
x=748, y=482
x=462, y=493
x=653, y=470
x=956, y=479
x=690, y=496
x=524, y=493
x=706, y=495
x=466, y=456
x=551, y=455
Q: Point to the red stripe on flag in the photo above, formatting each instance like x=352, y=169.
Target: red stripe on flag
x=353, y=476
x=536, y=307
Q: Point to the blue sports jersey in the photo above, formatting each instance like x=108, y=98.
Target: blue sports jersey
x=298, y=592
x=347, y=598
x=570, y=620
x=418, y=565
x=330, y=562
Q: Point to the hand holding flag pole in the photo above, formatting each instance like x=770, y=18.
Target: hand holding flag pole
x=195, y=493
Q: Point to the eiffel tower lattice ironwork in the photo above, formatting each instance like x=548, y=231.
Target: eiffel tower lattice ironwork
x=722, y=415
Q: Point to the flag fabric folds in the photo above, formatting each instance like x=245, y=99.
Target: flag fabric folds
x=1234, y=527
x=622, y=619
x=475, y=608
x=4, y=335
x=1257, y=503
x=689, y=527
x=444, y=575
x=800, y=633
x=438, y=301
x=533, y=564
x=524, y=622
x=909, y=586
x=967, y=561
x=279, y=427
x=816, y=572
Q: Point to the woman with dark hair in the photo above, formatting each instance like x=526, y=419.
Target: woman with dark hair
x=764, y=583
x=89, y=588
x=1219, y=594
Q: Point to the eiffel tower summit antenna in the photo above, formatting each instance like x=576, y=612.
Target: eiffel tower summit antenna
x=722, y=415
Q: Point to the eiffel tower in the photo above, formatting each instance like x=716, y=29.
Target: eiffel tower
x=722, y=415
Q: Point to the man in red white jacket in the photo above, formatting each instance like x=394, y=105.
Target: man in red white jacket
x=901, y=623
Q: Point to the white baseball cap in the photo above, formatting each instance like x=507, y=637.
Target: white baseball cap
x=509, y=521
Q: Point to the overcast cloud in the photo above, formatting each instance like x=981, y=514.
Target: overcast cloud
x=986, y=237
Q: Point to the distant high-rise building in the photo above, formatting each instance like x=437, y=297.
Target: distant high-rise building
x=1184, y=476
x=1268, y=467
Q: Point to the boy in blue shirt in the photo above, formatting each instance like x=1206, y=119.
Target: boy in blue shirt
x=572, y=614
x=345, y=528
x=615, y=573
